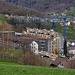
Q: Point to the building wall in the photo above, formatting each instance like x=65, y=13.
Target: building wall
x=50, y=46
x=42, y=44
x=34, y=47
x=46, y=44
x=59, y=43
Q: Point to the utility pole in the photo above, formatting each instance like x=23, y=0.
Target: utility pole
x=3, y=36
x=7, y=40
x=3, y=40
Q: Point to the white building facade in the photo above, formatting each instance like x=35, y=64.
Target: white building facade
x=34, y=47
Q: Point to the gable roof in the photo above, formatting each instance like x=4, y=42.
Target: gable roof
x=58, y=60
x=69, y=64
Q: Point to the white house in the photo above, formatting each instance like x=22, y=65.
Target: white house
x=34, y=47
x=72, y=51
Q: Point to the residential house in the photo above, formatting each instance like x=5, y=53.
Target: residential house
x=34, y=47
x=57, y=62
x=71, y=49
x=63, y=63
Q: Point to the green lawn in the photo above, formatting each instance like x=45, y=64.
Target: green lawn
x=2, y=19
x=16, y=69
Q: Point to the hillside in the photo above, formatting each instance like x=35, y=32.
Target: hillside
x=7, y=8
x=45, y=5
x=15, y=69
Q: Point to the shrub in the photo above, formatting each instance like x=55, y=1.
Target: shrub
x=29, y=58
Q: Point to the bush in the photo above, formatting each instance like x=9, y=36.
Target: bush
x=10, y=53
x=30, y=58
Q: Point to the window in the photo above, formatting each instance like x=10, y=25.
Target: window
x=34, y=43
x=61, y=64
x=32, y=47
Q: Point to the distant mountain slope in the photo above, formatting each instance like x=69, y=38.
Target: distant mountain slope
x=18, y=10
x=45, y=5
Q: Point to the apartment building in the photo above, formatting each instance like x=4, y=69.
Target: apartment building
x=45, y=42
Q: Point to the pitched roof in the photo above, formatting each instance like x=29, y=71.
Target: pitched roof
x=58, y=60
x=66, y=62
x=69, y=64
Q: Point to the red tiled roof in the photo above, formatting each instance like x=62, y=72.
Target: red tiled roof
x=58, y=60
x=66, y=62
x=69, y=64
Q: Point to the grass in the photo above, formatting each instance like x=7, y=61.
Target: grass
x=16, y=69
x=2, y=19
x=5, y=60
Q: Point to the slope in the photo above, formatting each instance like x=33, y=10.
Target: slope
x=15, y=69
x=45, y=5
x=16, y=10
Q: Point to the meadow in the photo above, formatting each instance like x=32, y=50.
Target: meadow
x=8, y=68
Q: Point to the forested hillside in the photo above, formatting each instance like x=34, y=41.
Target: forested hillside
x=7, y=8
x=45, y=5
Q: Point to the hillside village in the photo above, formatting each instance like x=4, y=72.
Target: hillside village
x=37, y=37
x=43, y=43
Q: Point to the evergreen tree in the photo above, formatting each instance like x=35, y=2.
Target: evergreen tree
x=65, y=47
